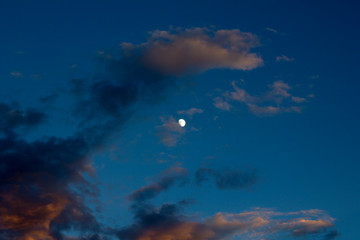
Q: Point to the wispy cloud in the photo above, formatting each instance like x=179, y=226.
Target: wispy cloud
x=284, y=58
x=16, y=74
x=166, y=222
x=276, y=100
x=166, y=179
x=272, y=30
x=170, y=131
x=191, y=112
x=227, y=179
x=221, y=104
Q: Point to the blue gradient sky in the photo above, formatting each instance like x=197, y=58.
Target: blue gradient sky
x=306, y=159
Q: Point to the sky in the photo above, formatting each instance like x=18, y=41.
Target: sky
x=90, y=97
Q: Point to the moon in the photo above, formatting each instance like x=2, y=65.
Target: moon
x=182, y=122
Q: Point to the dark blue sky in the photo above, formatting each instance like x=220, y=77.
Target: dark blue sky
x=269, y=91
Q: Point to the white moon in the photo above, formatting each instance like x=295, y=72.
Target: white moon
x=182, y=122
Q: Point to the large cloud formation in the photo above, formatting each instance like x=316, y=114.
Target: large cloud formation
x=167, y=223
x=42, y=182
x=199, y=49
x=38, y=179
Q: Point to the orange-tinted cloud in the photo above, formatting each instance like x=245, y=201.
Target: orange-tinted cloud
x=277, y=99
x=170, y=131
x=165, y=223
x=199, y=49
x=31, y=219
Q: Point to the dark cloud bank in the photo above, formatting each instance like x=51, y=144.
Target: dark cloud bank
x=43, y=183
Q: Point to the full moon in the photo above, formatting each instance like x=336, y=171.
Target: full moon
x=182, y=122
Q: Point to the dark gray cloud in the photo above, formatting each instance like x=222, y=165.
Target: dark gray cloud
x=49, y=98
x=166, y=179
x=36, y=180
x=331, y=235
x=227, y=179
x=12, y=118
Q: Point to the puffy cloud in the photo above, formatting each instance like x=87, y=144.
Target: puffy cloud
x=221, y=104
x=227, y=179
x=199, y=49
x=36, y=198
x=170, y=131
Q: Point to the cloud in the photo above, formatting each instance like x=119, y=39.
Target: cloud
x=221, y=104
x=272, y=30
x=198, y=49
x=332, y=235
x=143, y=73
x=191, y=112
x=279, y=91
x=44, y=183
x=284, y=58
x=38, y=178
x=49, y=98
x=36, y=195
x=277, y=99
x=264, y=111
x=298, y=99
x=166, y=223
x=170, y=131
x=227, y=179
x=16, y=74
x=12, y=118
x=165, y=180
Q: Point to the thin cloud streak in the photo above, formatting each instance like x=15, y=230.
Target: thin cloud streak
x=165, y=181
x=191, y=112
x=227, y=179
x=284, y=58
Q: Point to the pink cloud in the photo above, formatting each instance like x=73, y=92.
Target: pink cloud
x=199, y=49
